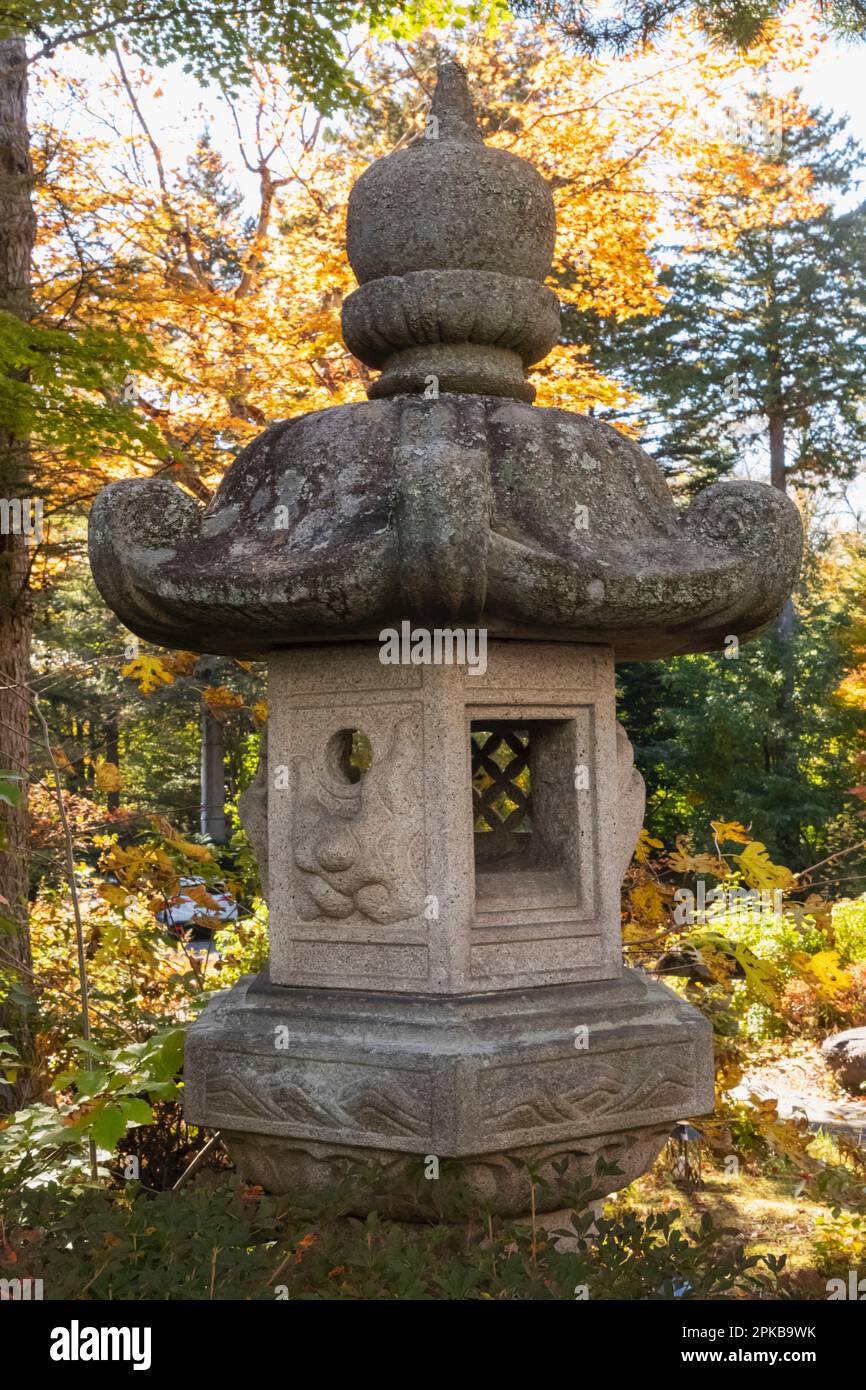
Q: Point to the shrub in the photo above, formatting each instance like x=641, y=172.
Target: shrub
x=212, y=1241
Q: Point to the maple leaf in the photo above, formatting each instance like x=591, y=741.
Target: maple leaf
x=149, y=671
x=824, y=965
x=682, y=861
x=221, y=701
x=644, y=845
x=758, y=869
x=107, y=776
x=730, y=830
x=260, y=712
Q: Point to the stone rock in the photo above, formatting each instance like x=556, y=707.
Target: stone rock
x=450, y=202
x=450, y=498
x=845, y=1055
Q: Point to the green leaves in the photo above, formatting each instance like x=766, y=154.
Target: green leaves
x=10, y=788
x=215, y=41
x=108, y=1098
x=108, y=1123
x=64, y=390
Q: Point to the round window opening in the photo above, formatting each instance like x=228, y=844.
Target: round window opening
x=349, y=755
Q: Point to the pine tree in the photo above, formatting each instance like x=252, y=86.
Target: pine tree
x=762, y=341
x=593, y=26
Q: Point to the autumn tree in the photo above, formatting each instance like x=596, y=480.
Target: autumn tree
x=213, y=41
x=238, y=303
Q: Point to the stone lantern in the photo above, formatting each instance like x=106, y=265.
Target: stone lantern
x=441, y=580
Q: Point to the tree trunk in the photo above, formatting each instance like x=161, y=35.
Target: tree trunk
x=788, y=714
x=112, y=755
x=213, y=778
x=779, y=479
x=17, y=226
x=778, y=472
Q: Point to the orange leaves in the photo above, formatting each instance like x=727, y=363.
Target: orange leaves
x=176, y=841
x=221, y=701
x=242, y=297
x=181, y=663
x=759, y=871
x=260, y=713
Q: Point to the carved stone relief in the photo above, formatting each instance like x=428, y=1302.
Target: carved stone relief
x=358, y=847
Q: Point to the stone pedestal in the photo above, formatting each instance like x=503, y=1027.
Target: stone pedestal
x=445, y=851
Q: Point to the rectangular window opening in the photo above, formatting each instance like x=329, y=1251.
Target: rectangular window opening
x=524, y=812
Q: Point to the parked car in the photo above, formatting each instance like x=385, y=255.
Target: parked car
x=183, y=914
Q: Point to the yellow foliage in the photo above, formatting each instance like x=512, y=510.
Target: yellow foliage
x=149, y=671
x=730, y=831
x=644, y=845
x=185, y=847
x=633, y=146
x=825, y=967
x=648, y=902
x=181, y=663
x=682, y=861
x=221, y=701
x=759, y=871
x=107, y=777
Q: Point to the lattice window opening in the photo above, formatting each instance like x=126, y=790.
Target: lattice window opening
x=519, y=794
x=501, y=792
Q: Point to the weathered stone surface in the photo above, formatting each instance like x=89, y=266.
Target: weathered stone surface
x=466, y=1077
x=471, y=331
x=445, y=967
x=381, y=884
x=450, y=202
x=470, y=508
x=845, y=1055
x=466, y=509
x=395, y=1184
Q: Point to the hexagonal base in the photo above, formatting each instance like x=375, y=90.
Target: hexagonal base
x=304, y=1081
x=405, y=1187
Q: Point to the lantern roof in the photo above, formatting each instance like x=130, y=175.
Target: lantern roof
x=447, y=497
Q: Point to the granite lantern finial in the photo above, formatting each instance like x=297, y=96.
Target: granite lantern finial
x=445, y=961
x=450, y=241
